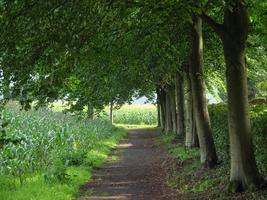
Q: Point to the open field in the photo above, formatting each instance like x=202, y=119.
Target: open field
x=135, y=114
x=128, y=114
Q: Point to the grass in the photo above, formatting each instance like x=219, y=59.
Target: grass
x=185, y=174
x=36, y=188
x=178, y=151
x=56, y=154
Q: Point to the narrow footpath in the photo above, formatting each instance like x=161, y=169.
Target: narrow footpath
x=136, y=175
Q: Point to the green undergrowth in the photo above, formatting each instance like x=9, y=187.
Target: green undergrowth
x=177, y=150
x=47, y=155
x=219, y=123
x=36, y=187
x=185, y=173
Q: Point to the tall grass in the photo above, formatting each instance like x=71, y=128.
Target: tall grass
x=47, y=155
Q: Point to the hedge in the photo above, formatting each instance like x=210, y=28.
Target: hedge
x=219, y=123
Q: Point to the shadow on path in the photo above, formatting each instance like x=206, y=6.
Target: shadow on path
x=136, y=175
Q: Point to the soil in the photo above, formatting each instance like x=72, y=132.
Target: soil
x=138, y=173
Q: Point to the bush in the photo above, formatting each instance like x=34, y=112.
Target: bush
x=185, y=173
x=219, y=123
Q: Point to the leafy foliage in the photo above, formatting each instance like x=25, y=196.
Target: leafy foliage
x=219, y=122
x=50, y=143
x=185, y=173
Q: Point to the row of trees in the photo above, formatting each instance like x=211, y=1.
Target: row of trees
x=95, y=53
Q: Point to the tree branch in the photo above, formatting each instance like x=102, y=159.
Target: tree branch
x=217, y=27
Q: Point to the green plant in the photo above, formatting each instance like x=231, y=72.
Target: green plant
x=219, y=122
x=186, y=173
x=54, y=149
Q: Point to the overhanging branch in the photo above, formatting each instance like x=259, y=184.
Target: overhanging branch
x=217, y=27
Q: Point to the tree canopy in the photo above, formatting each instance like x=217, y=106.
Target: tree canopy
x=101, y=52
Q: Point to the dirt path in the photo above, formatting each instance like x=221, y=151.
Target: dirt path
x=137, y=175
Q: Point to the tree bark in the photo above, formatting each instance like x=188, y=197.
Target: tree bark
x=90, y=111
x=208, y=156
x=179, y=84
x=233, y=33
x=158, y=107
x=171, y=93
x=191, y=139
x=111, y=112
x=244, y=171
x=168, y=117
x=158, y=115
x=163, y=109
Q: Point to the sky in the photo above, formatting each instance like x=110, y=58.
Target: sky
x=142, y=100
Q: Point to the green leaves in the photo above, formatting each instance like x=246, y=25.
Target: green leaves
x=219, y=123
x=47, y=142
x=98, y=52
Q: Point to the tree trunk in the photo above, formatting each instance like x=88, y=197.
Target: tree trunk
x=191, y=139
x=244, y=171
x=159, y=114
x=171, y=93
x=90, y=111
x=162, y=107
x=180, y=104
x=208, y=156
x=158, y=108
x=168, y=117
x=111, y=112
x=162, y=110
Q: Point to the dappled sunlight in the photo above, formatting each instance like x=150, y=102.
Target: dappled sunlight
x=134, y=176
x=134, y=126
x=122, y=99
x=113, y=197
x=125, y=145
x=108, y=143
x=94, y=154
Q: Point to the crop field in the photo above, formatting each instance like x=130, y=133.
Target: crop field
x=143, y=114
x=46, y=155
x=128, y=115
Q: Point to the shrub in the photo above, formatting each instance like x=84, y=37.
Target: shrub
x=219, y=123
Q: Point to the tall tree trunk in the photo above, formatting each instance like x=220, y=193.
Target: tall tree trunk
x=162, y=108
x=158, y=115
x=168, y=117
x=158, y=108
x=171, y=93
x=191, y=139
x=111, y=112
x=244, y=171
x=208, y=156
x=233, y=32
x=90, y=111
x=179, y=84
